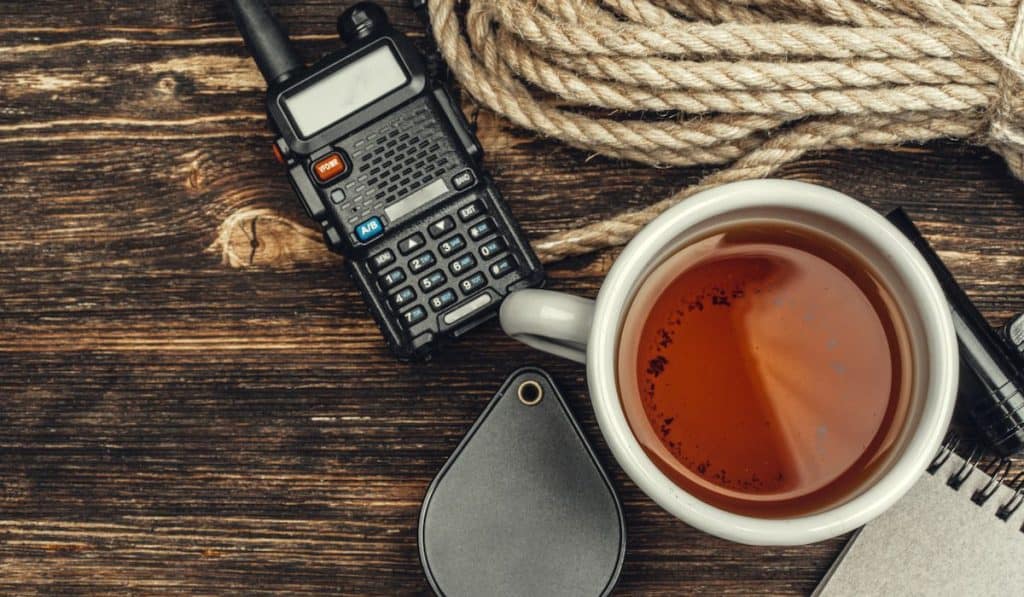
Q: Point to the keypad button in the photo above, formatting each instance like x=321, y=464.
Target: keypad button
x=451, y=245
x=442, y=226
x=463, y=179
x=411, y=243
x=369, y=229
x=481, y=229
x=462, y=264
x=491, y=249
x=414, y=315
x=503, y=266
x=473, y=283
x=421, y=262
x=432, y=281
x=330, y=166
x=392, y=278
x=441, y=300
x=337, y=196
x=403, y=297
x=468, y=212
x=379, y=261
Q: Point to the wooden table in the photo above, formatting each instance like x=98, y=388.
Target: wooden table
x=169, y=421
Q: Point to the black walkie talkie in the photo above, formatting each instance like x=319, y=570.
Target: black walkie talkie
x=383, y=160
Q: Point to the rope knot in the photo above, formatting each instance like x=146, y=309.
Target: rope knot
x=1006, y=126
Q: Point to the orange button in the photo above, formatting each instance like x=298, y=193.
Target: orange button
x=329, y=167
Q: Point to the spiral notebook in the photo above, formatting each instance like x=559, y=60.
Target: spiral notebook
x=957, y=532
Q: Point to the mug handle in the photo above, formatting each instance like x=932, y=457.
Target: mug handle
x=554, y=322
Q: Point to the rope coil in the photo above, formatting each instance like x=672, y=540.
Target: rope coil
x=750, y=83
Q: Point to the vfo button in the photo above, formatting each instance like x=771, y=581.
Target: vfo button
x=369, y=229
x=330, y=166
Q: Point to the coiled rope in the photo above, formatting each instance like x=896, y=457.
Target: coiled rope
x=750, y=83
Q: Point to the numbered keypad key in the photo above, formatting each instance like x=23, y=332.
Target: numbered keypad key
x=473, y=283
x=503, y=266
x=468, y=212
x=421, y=262
x=491, y=249
x=414, y=316
x=441, y=227
x=462, y=264
x=449, y=246
x=481, y=229
x=432, y=281
x=379, y=261
x=392, y=278
x=442, y=299
x=403, y=297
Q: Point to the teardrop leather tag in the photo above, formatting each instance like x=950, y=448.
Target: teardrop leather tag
x=522, y=507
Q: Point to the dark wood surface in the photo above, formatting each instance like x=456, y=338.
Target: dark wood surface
x=172, y=422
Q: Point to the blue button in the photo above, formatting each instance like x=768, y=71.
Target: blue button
x=369, y=229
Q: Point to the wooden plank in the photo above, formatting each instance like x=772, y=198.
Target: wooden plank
x=169, y=421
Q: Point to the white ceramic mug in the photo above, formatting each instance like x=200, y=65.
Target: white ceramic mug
x=588, y=332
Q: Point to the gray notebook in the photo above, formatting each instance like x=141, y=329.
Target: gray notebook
x=938, y=540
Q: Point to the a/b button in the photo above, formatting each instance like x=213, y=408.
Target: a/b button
x=369, y=229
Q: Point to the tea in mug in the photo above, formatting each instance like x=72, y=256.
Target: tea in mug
x=765, y=370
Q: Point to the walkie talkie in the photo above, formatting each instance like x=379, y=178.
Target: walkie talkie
x=384, y=161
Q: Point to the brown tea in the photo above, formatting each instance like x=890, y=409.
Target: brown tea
x=765, y=370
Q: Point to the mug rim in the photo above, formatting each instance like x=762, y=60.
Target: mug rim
x=939, y=344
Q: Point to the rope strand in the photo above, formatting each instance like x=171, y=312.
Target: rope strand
x=754, y=84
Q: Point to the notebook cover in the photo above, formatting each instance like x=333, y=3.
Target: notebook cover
x=935, y=541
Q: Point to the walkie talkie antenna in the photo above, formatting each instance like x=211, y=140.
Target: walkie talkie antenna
x=266, y=39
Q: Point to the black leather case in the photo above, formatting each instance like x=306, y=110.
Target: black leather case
x=522, y=507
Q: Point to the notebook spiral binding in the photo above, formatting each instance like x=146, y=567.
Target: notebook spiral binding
x=996, y=467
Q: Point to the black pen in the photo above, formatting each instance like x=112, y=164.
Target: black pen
x=991, y=367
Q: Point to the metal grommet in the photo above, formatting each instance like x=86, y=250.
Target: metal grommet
x=530, y=392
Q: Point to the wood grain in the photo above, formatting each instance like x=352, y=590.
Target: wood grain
x=173, y=422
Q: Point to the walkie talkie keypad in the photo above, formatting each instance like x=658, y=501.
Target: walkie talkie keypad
x=457, y=269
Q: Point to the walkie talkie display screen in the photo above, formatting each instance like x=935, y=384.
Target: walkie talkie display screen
x=345, y=91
